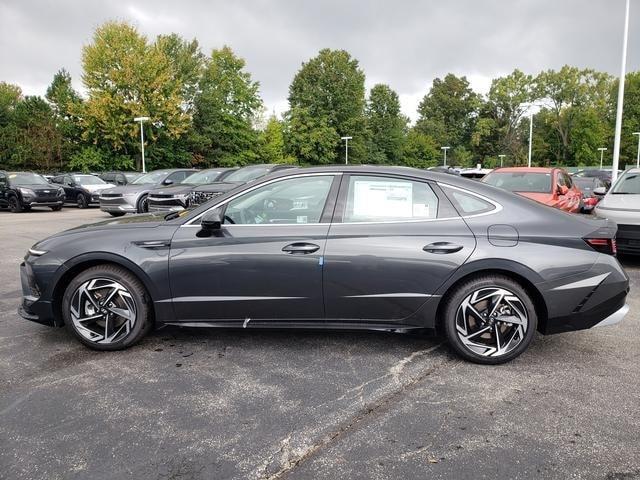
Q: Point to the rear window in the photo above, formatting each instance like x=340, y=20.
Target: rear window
x=520, y=181
x=467, y=203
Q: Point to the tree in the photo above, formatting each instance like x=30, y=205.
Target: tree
x=448, y=112
x=570, y=93
x=271, y=140
x=66, y=105
x=328, y=93
x=420, y=150
x=310, y=139
x=225, y=110
x=35, y=140
x=386, y=124
x=630, y=118
x=126, y=77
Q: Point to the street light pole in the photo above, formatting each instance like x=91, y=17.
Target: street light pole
x=602, y=150
x=444, y=149
x=616, y=143
x=501, y=157
x=142, y=120
x=530, y=135
x=638, y=157
x=346, y=149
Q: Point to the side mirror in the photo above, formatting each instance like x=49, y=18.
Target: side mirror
x=167, y=182
x=212, y=220
x=600, y=191
x=562, y=189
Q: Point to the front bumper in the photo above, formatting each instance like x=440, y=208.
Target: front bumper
x=118, y=204
x=615, y=317
x=39, y=203
x=33, y=307
x=168, y=204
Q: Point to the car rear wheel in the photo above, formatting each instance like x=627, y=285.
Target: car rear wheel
x=490, y=319
x=143, y=205
x=107, y=308
x=15, y=205
x=116, y=214
x=81, y=200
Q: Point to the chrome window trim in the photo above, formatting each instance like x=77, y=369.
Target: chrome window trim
x=497, y=209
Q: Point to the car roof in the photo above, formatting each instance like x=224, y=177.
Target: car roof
x=527, y=169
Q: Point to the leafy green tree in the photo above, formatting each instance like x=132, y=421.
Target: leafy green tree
x=66, y=104
x=630, y=118
x=309, y=138
x=329, y=90
x=448, y=113
x=387, y=125
x=126, y=77
x=271, y=140
x=420, y=150
x=225, y=111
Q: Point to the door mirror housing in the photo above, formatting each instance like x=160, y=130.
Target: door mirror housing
x=600, y=191
x=167, y=182
x=562, y=189
x=212, y=220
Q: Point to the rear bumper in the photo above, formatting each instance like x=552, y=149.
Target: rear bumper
x=628, y=238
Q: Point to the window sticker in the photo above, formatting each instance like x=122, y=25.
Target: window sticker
x=382, y=199
x=421, y=210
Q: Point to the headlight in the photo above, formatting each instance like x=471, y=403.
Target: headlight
x=182, y=196
x=36, y=253
x=27, y=191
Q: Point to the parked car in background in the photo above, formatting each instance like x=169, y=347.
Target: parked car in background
x=177, y=197
x=622, y=205
x=604, y=174
x=119, y=178
x=475, y=173
x=356, y=247
x=589, y=187
x=132, y=198
x=550, y=186
x=241, y=176
x=81, y=189
x=449, y=170
x=20, y=191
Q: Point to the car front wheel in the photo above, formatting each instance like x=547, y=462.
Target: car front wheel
x=15, y=205
x=81, y=200
x=116, y=214
x=489, y=319
x=107, y=308
x=143, y=205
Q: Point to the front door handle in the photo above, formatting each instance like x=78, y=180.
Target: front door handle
x=442, y=247
x=303, y=248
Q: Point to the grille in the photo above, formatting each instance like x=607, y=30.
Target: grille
x=111, y=195
x=198, y=198
x=161, y=195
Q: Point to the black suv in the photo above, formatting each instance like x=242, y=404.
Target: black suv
x=119, y=178
x=82, y=189
x=22, y=190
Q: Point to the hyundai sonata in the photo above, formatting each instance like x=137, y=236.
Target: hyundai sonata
x=393, y=249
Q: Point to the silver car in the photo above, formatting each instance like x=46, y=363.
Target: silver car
x=132, y=198
x=622, y=205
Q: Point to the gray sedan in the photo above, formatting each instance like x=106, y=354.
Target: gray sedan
x=132, y=198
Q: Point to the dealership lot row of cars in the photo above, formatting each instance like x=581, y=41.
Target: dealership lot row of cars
x=119, y=193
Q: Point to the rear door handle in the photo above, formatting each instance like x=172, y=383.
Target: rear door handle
x=442, y=247
x=303, y=248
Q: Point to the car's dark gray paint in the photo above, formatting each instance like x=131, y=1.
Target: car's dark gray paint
x=370, y=275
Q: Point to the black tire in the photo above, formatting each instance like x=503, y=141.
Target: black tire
x=143, y=313
x=15, y=205
x=57, y=208
x=462, y=292
x=81, y=200
x=116, y=214
x=143, y=205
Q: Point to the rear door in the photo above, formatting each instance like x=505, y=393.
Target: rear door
x=393, y=242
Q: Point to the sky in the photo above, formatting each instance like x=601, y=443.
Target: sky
x=405, y=44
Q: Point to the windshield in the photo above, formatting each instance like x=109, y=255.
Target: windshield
x=628, y=184
x=585, y=183
x=202, y=178
x=88, y=180
x=27, y=178
x=131, y=176
x=520, y=181
x=248, y=173
x=152, y=177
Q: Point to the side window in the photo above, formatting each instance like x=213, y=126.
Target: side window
x=567, y=180
x=3, y=180
x=467, y=203
x=57, y=180
x=292, y=201
x=561, y=180
x=120, y=180
x=384, y=199
x=177, y=177
x=67, y=180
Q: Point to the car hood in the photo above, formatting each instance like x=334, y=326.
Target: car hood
x=149, y=220
x=621, y=202
x=217, y=187
x=40, y=188
x=96, y=188
x=131, y=188
x=173, y=189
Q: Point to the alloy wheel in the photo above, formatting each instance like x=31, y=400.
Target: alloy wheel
x=491, y=321
x=103, y=310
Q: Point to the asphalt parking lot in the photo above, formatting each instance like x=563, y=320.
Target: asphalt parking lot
x=212, y=404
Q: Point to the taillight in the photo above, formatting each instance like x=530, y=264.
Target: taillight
x=603, y=245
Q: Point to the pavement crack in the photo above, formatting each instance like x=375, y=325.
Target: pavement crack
x=291, y=463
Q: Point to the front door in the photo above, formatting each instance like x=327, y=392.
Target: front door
x=393, y=242
x=265, y=262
